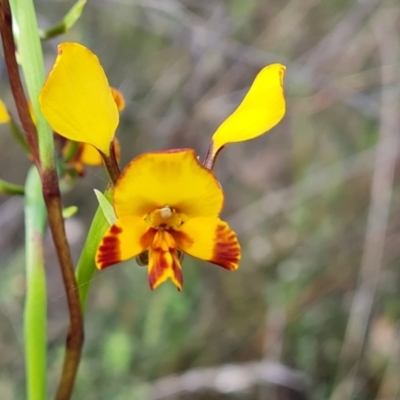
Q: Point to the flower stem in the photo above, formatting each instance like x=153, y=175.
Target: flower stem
x=75, y=336
x=111, y=164
x=43, y=155
x=14, y=78
x=210, y=159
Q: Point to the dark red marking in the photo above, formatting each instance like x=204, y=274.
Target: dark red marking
x=115, y=230
x=109, y=252
x=227, y=248
x=147, y=238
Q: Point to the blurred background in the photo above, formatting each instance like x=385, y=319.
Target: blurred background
x=314, y=310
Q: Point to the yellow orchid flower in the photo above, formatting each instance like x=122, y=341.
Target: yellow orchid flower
x=76, y=98
x=168, y=202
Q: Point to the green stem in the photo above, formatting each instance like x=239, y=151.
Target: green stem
x=35, y=300
x=10, y=188
x=68, y=21
x=54, y=31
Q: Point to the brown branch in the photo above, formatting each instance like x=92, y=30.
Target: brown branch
x=52, y=198
x=75, y=336
x=15, y=80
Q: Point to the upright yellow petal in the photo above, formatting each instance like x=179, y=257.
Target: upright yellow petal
x=4, y=115
x=172, y=178
x=261, y=109
x=76, y=99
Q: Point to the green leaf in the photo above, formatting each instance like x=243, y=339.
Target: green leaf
x=67, y=22
x=35, y=311
x=106, y=207
x=86, y=265
x=69, y=212
x=74, y=13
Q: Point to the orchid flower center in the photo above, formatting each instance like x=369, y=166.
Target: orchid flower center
x=165, y=218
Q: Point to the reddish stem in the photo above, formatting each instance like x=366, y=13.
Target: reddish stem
x=52, y=198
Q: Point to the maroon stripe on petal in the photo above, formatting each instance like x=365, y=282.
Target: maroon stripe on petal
x=158, y=267
x=109, y=249
x=227, y=248
x=176, y=267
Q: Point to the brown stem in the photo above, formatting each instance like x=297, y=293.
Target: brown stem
x=52, y=198
x=75, y=336
x=210, y=159
x=111, y=164
x=15, y=80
